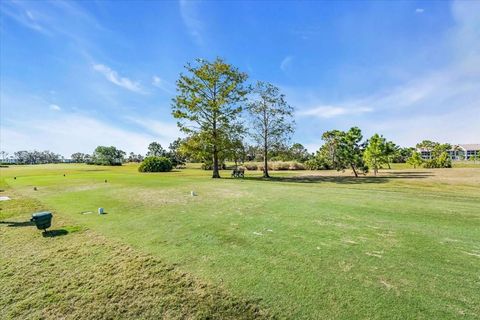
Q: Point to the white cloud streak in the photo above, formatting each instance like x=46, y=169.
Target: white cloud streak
x=332, y=111
x=165, y=132
x=286, y=63
x=69, y=133
x=115, y=78
x=162, y=84
x=54, y=107
x=191, y=19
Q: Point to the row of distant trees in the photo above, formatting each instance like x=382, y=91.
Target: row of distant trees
x=112, y=156
x=341, y=150
x=32, y=157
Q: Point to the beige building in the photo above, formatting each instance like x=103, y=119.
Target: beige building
x=458, y=152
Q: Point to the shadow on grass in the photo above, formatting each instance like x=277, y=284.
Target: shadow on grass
x=54, y=233
x=346, y=179
x=16, y=224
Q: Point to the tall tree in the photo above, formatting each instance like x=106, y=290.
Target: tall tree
x=376, y=152
x=299, y=153
x=332, y=140
x=350, y=150
x=271, y=118
x=78, y=157
x=108, y=156
x=208, y=104
x=345, y=149
x=391, y=150
x=155, y=149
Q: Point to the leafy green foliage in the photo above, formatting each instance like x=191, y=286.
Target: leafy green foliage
x=343, y=149
x=79, y=157
x=439, y=155
x=155, y=149
x=377, y=152
x=108, y=156
x=415, y=159
x=155, y=164
x=36, y=157
x=441, y=161
x=208, y=106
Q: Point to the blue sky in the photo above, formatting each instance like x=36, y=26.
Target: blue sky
x=74, y=75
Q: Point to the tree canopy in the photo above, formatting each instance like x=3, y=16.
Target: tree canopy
x=208, y=105
x=271, y=118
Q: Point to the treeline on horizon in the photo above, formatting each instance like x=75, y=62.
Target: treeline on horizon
x=226, y=119
x=374, y=153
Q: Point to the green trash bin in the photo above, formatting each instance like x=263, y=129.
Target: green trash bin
x=42, y=220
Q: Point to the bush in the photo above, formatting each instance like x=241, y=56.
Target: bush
x=443, y=161
x=317, y=163
x=296, y=166
x=260, y=166
x=250, y=166
x=280, y=166
x=155, y=164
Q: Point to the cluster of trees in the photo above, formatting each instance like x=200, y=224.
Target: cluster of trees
x=36, y=157
x=112, y=156
x=341, y=150
x=345, y=149
x=212, y=105
x=439, y=157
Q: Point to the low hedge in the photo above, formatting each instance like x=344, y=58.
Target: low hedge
x=155, y=164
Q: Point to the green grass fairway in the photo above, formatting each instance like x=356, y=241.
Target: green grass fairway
x=303, y=245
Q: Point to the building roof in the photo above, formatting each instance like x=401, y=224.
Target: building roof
x=465, y=147
x=472, y=146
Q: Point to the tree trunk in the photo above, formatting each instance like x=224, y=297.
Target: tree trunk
x=354, y=171
x=265, y=158
x=216, y=173
x=265, y=164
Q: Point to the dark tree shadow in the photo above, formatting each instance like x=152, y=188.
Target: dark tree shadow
x=54, y=233
x=16, y=224
x=384, y=178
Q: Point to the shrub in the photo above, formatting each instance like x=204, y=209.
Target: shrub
x=261, y=166
x=251, y=166
x=442, y=161
x=280, y=166
x=155, y=164
x=317, y=163
x=296, y=166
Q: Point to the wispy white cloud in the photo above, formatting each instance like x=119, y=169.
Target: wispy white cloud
x=419, y=10
x=162, y=84
x=332, y=111
x=25, y=17
x=115, y=78
x=54, y=107
x=56, y=134
x=165, y=132
x=286, y=63
x=191, y=19
x=49, y=18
